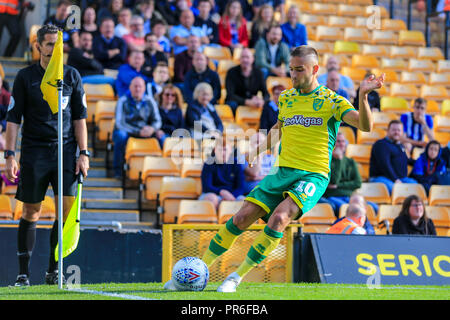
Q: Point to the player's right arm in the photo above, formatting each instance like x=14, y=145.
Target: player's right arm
x=271, y=140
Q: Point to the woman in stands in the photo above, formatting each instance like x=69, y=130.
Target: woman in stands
x=89, y=23
x=261, y=23
x=413, y=218
x=233, y=26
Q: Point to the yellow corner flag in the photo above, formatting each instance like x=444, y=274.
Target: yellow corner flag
x=53, y=73
x=71, y=230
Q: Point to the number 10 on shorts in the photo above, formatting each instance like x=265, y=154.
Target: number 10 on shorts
x=307, y=188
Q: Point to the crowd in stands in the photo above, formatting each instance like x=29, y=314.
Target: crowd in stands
x=140, y=38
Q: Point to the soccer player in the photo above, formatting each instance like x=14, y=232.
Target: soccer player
x=309, y=118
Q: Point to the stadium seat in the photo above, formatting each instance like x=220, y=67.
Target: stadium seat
x=433, y=92
x=348, y=10
x=363, y=169
x=370, y=137
x=370, y=212
x=400, y=191
x=320, y=214
x=375, y=191
x=388, y=213
x=402, y=52
x=377, y=10
x=104, y=118
x=180, y=147
x=6, y=212
x=154, y=169
x=173, y=190
x=441, y=123
x=442, y=137
x=348, y=133
x=439, y=79
x=373, y=50
x=443, y=66
x=272, y=81
x=356, y=74
x=237, y=54
x=439, y=215
x=445, y=108
x=135, y=152
x=312, y=20
x=406, y=91
x=248, y=117
x=2, y=72
x=360, y=2
x=360, y=35
x=196, y=211
x=381, y=37
x=394, y=104
x=323, y=8
x=411, y=38
x=439, y=195
x=344, y=61
x=397, y=65
x=111, y=73
x=227, y=209
x=393, y=25
x=416, y=78
x=346, y=47
x=225, y=65
x=192, y=168
x=423, y=65
x=217, y=53
x=321, y=47
x=366, y=62
x=431, y=53
x=98, y=92
x=340, y=21
x=225, y=112
x=432, y=107
x=382, y=119
x=48, y=209
x=359, y=152
x=390, y=75
x=325, y=33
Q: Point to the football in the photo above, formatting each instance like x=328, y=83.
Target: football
x=190, y=274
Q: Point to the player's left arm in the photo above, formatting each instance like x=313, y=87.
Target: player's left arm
x=362, y=119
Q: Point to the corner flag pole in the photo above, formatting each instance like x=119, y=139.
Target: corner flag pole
x=60, y=184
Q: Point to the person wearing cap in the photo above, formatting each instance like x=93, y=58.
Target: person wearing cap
x=269, y=114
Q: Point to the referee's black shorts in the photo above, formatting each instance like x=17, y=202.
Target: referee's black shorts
x=39, y=167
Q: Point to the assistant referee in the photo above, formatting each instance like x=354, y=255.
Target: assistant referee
x=39, y=146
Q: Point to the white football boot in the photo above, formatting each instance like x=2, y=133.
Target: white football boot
x=230, y=283
x=169, y=286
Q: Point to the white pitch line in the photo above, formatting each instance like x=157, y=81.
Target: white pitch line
x=331, y=286
x=111, y=294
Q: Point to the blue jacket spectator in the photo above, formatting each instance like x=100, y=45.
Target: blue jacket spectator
x=129, y=71
x=108, y=49
x=204, y=21
x=269, y=114
x=180, y=33
x=417, y=125
x=294, y=33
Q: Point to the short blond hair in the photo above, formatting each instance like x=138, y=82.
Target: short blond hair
x=202, y=87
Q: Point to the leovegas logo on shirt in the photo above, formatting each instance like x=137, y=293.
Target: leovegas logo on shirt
x=302, y=121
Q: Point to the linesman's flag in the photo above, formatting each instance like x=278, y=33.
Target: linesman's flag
x=53, y=73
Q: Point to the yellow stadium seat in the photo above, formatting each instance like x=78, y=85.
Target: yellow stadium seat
x=173, y=190
x=443, y=66
x=225, y=112
x=227, y=209
x=2, y=72
x=439, y=215
x=400, y=191
x=440, y=79
x=432, y=107
x=180, y=147
x=320, y=214
x=374, y=50
x=359, y=152
x=346, y=47
x=407, y=91
x=394, y=104
x=411, y=38
x=375, y=191
x=382, y=119
x=325, y=33
x=363, y=169
x=356, y=34
x=433, y=92
x=344, y=61
x=370, y=137
x=272, y=81
x=195, y=211
x=393, y=25
x=390, y=75
x=445, y=108
x=323, y=8
x=192, y=168
x=402, y=52
x=384, y=37
x=441, y=123
x=415, y=78
x=439, y=195
x=340, y=21
x=218, y=53
x=350, y=10
x=248, y=117
x=348, y=133
x=370, y=212
x=321, y=47
x=431, y=53
x=104, y=118
x=6, y=211
x=366, y=62
x=312, y=20
x=421, y=65
x=388, y=212
x=356, y=74
x=371, y=10
x=393, y=64
x=96, y=92
x=154, y=169
x=135, y=152
x=225, y=65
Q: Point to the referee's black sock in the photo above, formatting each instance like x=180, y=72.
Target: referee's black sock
x=52, y=264
x=26, y=238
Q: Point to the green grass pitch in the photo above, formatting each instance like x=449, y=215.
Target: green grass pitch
x=246, y=291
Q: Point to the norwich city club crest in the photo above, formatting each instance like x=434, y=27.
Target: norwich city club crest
x=317, y=104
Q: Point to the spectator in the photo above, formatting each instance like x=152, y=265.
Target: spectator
x=183, y=60
x=388, y=159
x=243, y=82
x=136, y=38
x=416, y=125
x=146, y=9
x=129, y=71
x=294, y=33
x=264, y=18
x=344, y=176
x=110, y=50
x=59, y=19
x=277, y=5
x=430, y=166
x=269, y=114
x=153, y=53
x=233, y=27
x=202, y=119
x=413, y=219
x=159, y=30
x=169, y=11
x=200, y=72
x=111, y=11
x=222, y=177
x=169, y=102
x=373, y=97
x=344, y=83
x=179, y=34
x=89, y=23
x=136, y=116
x=333, y=80
x=5, y=97
x=272, y=55
x=204, y=21
x=124, y=26
x=160, y=78
x=353, y=223
x=10, y=16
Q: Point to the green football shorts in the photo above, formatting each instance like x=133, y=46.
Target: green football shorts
x=305, y=188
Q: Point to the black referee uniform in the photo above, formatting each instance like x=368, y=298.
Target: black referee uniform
x=39, y=145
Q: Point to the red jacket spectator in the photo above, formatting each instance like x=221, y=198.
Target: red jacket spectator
x=225, y=32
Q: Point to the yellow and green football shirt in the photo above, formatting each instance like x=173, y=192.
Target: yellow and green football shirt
x=310, y=123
